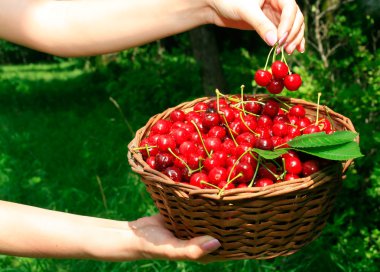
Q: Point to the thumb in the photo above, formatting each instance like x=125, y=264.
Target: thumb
x=194, y=248
x=261, y=23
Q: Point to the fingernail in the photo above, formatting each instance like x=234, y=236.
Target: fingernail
x=283, y=38
x=271, y=38
x=302, y=47
x=210, y=245
x=290, y=49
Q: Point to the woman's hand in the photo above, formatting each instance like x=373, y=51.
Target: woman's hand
x=274, y=20
x=156, y=242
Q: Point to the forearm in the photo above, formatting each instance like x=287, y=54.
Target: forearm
x=35, y=232
x=96, y=26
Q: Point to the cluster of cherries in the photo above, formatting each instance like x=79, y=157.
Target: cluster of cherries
x=280, y=76
x=212, y=145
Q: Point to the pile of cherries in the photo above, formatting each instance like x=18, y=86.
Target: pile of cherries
x=279, y=75
x=212, y=144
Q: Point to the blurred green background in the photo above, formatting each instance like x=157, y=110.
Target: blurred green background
x=65, y=125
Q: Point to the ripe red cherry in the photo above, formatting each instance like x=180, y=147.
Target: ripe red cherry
x=310, y=167
x=252, y=105
x=217, y=175
x=292, y=82
x=280, y=129
x=268, y=171
x=245, y=170
x=217, y=131
x=200, y=106
x=264, y=121
x=177, y=115
x=174, y=173
x=263, y=182
x=211, y=119
x=188, y=147
x=264, y=143
x=180, y=135
x=163, y=160
x=311, y=129
x=290, y=176
x=225, y=185
x=228, y=114
x=298, y=111
x=263, y=77
x=151, y=161
x=271, y=108
x=293, y=165
x=275, y=86
x=166, y=142
x=161, y=127
x=279, y=69
x=198, y=179
x=213, y=144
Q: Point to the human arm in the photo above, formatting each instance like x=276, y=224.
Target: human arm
x=34, y=232
x=91, y=27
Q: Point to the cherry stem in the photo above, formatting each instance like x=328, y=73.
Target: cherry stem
x=200, y=136
x=242, y=120
x=210, y=184
x=230, y=130
x=256, y=171
x=146, y=147
x=319, y=97
x=270, y=52
x=184, y=163
x=283, y=57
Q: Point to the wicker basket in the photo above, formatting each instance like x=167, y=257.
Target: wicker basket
x=250, y=223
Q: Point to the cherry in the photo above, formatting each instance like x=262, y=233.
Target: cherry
x=217, y=131
x=311, y=129
x=161, y=127
x=200, y=106
x=174, y=173
x=228, y=113
x=293, y=131
x=193, y=160
x=249, y=124
x=211, y=119
x=271, y=108
x=279, y=69
x=230, y=161
x=264, y=143
x=263, y=182
x=180, y=135
x=293, y=165
x=177, y=115
x=275, y=86
x=151, y=161
x=213, y=144
x=197, y=179
x=163, y=160
x=245, y=170
x=188, y=147
x=165, y=142
x=217, y=174
x=303, y=122
x=298, y=111
x=310, y=167
x=289, y=176
x=246, y=138
x=280, y=129
x=252, y=105
x=292, y=82
x=262, y=77
x=264, y=121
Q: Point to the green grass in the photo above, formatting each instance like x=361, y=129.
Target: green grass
x=62, y=142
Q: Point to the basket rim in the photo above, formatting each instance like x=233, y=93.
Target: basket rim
x=139, y=166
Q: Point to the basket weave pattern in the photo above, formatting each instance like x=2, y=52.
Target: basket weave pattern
x=250, y=223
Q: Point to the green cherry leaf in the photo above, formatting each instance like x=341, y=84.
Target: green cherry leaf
x=322, y=139
x=270, y=155
x=342, y=152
